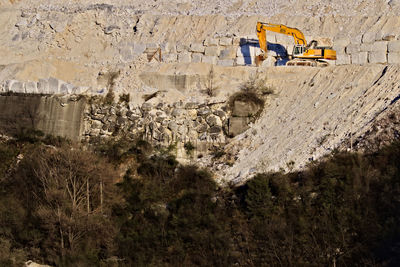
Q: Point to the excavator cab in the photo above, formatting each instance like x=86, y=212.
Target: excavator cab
x=298, y=50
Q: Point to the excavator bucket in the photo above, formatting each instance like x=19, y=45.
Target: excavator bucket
x=259, y=60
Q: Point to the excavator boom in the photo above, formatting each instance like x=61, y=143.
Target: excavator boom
x=298, y=36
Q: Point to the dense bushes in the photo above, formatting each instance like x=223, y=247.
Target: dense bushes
x=68, y=207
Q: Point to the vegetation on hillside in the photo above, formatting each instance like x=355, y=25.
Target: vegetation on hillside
x=69, y=206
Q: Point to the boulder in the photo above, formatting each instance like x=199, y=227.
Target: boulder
x=214, y=120
x=244, y=108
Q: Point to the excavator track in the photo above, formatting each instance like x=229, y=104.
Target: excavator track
x=307, y=62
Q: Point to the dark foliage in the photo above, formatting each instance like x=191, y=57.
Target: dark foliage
x=342, y=210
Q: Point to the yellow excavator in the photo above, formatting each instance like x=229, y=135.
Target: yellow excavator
x=303, y=54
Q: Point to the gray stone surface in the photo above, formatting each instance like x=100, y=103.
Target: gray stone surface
x=196, y=57
x=225, y=41
x=244, y=61
x=169, y=58
x=238, y=125
x=211, y=42
x=138, y=48
x=394, y=58
x=228, y=53
x=17, y=87
x=197, y=48
x=31, y=88
x=369, y=37
x=377, y=57
x=212, y=51
x=209, y=59
x=244, y=109
x=43, y=86
x=394, y=46
x=184, y=57
x=353, y=48
x=343, y=59
x=54, y=85
x=226, y=62
x=359, y=58
x=380, y=46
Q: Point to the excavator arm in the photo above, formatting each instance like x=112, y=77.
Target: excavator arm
x=278, y=28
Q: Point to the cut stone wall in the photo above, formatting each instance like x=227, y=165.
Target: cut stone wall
x=238, y=51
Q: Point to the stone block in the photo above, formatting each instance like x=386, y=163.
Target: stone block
x=138, y=48
x=181, y=48
x=226, y=62
x=54, y=85
x=394, y=58
x=377, y=57
x=394, y=46
x=17, y=87
x=353, y=48
x=343, y=59
x=341, y=42
x=212, y=51
x=211, y=42
x=225, y=41
x=248, y=50
x=244, y=61
x=357, y=39
x=31, y=88
x=169, y=58
x=228, y=53
x=43, y=86
x=359, y=58
x=380, y=46
x=366, y=47
x=197, y=48
x=244, y=108
x=196, y=57
x=238, y=125
x=209, y=59
x=184, y=57
x=369, y=37
x=67, y=88
x=339, y=49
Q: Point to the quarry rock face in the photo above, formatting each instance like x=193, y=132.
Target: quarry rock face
x=179, y=62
